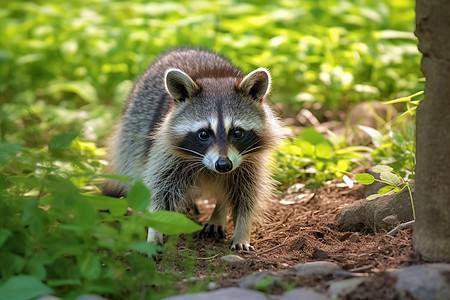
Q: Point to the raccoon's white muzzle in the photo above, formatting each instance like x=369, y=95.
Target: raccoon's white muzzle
x=222, y=164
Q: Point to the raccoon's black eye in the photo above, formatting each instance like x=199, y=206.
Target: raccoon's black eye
x=203, y=135
x=238, y=134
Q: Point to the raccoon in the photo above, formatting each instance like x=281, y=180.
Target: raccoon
x=194, y=126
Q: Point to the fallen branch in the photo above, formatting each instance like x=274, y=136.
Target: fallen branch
x=400, y=227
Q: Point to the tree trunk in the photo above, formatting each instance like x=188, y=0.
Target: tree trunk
x=431, y=237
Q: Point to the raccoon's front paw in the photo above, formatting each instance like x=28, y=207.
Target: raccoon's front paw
x=241, y=246
x=212, y=231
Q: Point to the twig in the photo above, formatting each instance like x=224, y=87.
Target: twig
x=400, y=227
x=211, y=257
x=273, y=248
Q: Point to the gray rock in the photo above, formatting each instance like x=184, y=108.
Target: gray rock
x=222, y=294
x=424, y=282
x=251, y=281
x=232, y=258
x=315, y=268
x=213, y=286
x=343, y=287
x=302, y=293
x=383, y=213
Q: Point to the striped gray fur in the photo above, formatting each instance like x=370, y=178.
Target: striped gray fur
x=195, y=126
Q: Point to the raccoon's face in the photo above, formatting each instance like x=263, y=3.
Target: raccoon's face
x=219, y=122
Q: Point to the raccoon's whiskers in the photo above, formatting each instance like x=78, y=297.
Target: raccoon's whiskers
x=191, y=151
x=250, y=148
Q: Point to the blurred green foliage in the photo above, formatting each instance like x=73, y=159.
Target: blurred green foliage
x=69, y=64
x=59, y=236
x=314, y=158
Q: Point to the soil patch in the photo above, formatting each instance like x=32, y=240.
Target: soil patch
x=304, y=232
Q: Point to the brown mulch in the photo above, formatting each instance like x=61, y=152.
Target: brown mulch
x=304, y=232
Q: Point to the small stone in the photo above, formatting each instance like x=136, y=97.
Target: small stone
x=319, y=254
x=315, y=268
x=295, y=188
x=344, y=287
x=251, y=281
x=424, y=282
x=222, y=294
x=232, y=258
x=213, y=286
x=302, y=293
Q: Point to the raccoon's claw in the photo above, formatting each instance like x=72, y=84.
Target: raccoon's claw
x=211, y=231
x=242, y=247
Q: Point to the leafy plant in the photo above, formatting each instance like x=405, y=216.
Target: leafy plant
x=394, y=183
x=58, y=239
x=395, y=141
x=313, y=158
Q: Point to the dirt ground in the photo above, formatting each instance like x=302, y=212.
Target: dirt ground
x=304, y=232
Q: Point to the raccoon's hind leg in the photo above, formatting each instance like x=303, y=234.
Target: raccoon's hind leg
x=215, y=228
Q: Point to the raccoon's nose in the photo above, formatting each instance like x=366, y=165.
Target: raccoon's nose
x=223, y=165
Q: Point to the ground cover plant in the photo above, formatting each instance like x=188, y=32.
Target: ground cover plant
x=65, y=70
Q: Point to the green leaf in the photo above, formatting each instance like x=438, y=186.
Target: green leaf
x=139, y=197
x=81, y=88
x=116, y=206
x=26, y=181
x=324, y=150
x=306, y=148
x=364, y=178
x=375, y=135
x=390, y=178
x=147, y=248
x=386, y=189
x=23, y=287
x=85, y=214
x=64, y=282
x=381, y=168
x=373, y=196
x=4, y=234
x=11, y=264
x=168, y=222
x=8, y=151
x=312, y=136
x=90, y=266
x=61, y=141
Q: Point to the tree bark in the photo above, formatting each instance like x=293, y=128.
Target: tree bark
x=431, y=236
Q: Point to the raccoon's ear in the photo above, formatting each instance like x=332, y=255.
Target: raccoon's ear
x=179, y=85
x=256, y=84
